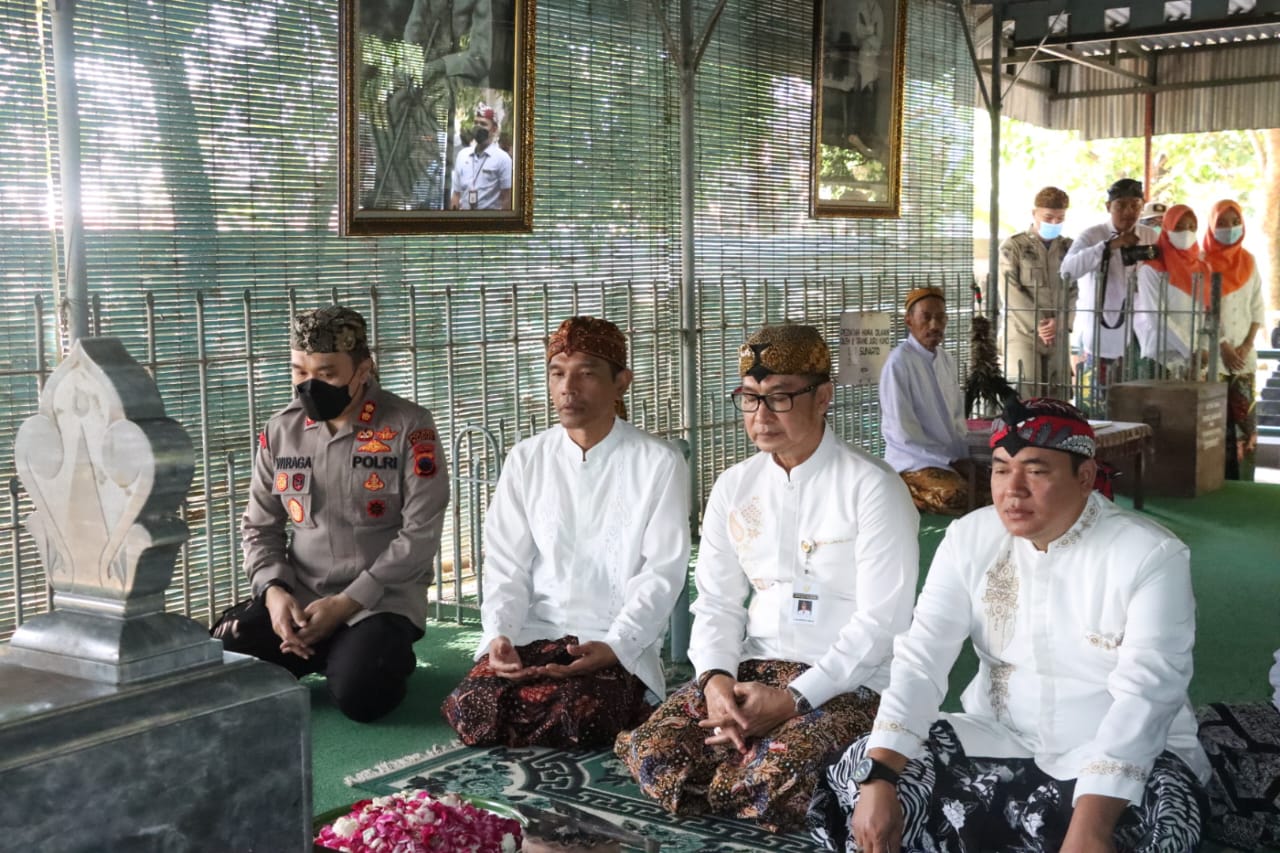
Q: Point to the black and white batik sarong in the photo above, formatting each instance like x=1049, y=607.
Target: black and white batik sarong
x=1243, y=745
x=956, y=804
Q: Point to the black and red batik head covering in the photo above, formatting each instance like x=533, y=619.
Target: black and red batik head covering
x=1043, y=422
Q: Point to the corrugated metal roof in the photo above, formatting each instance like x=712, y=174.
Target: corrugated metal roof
x=1203, y=80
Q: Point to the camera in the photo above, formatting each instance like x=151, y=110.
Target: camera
x=1131, y=255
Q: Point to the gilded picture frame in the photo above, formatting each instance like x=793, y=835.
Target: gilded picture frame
x=436, y=116
x=859, y=59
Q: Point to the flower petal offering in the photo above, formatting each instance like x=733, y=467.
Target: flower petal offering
x=416, y=822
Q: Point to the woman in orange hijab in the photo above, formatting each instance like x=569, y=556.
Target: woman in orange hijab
x=1243, y=313
x=1166, y=318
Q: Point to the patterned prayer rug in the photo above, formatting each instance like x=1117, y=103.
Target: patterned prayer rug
x=596, y=782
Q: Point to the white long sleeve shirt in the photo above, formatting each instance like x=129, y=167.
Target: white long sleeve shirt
x=1082, y=262
x=1164, y=332
x=594, y=544
x=921, y=408
x=1084, y=650
x=1241, y=309
x=839, y=532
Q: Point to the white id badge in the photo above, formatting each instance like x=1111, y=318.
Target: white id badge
x=472, y=198
x=804, y=608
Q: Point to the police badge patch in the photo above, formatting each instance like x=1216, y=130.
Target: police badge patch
x=376, y=508
x=295, y=511
x=282, y=482
x=424, y=460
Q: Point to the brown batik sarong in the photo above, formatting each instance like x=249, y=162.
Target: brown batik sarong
x=585, y=711
x=938, y=490
x=772, y=783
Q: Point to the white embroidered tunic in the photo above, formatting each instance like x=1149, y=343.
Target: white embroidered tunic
x=921, y=408
x=1084, y=650
x=595, y=545
x=840, y=528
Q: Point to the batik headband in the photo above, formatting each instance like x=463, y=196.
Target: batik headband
x=590, y=335
x=1043, y=422
x=330, y=329
x=788, y=348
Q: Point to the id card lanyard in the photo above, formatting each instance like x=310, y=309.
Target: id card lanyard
x=473, y=196
x=804, y=589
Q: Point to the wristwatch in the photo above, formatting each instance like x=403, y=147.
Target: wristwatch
x=869, y=770
x=802, y=704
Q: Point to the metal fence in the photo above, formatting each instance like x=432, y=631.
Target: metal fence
x=1168, y=334
x=474, y=357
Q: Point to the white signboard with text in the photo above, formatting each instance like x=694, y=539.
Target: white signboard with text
x=866, y=337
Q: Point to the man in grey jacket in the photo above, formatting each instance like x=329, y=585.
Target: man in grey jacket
x=345, y=511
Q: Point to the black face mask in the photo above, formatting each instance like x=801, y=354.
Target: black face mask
x=480, y=134
x=322, y=401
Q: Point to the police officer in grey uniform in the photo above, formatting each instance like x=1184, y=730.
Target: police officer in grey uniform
x=345, y=511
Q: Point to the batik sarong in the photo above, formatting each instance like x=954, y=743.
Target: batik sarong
x=1242, y=425
x=938, y=490
x=956, y=804
x=772, y=783
x=1243, y=745
x=581, y=712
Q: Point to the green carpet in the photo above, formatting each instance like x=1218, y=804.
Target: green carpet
x=595, y=782
x=1234, y=537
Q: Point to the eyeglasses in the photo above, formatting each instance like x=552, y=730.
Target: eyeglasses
x=778, y=401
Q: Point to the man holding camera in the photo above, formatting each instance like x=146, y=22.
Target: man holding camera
x=1106, y=253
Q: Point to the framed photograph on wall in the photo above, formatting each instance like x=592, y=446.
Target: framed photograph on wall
x=436, y=116
x=859, y=59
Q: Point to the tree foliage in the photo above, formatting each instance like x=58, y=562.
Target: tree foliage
x=1194, y=168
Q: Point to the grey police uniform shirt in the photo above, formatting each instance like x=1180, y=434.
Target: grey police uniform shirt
x=356, y=512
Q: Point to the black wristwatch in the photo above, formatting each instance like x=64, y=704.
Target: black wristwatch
x=802, y=704
x=870, y=770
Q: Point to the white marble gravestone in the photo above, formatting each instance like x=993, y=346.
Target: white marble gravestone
x=123, y=727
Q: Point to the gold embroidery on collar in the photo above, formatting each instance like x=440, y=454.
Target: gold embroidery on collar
x=1087, y=520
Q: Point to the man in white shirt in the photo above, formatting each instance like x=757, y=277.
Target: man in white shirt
x=1076, y=732
x=482, y=172
x=922, y=410
x=586, y=550
x=1096, y=254
x=806, y=570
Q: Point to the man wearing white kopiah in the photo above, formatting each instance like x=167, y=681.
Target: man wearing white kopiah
x=1076, y=733
x=806, y=570
x=586, y=549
